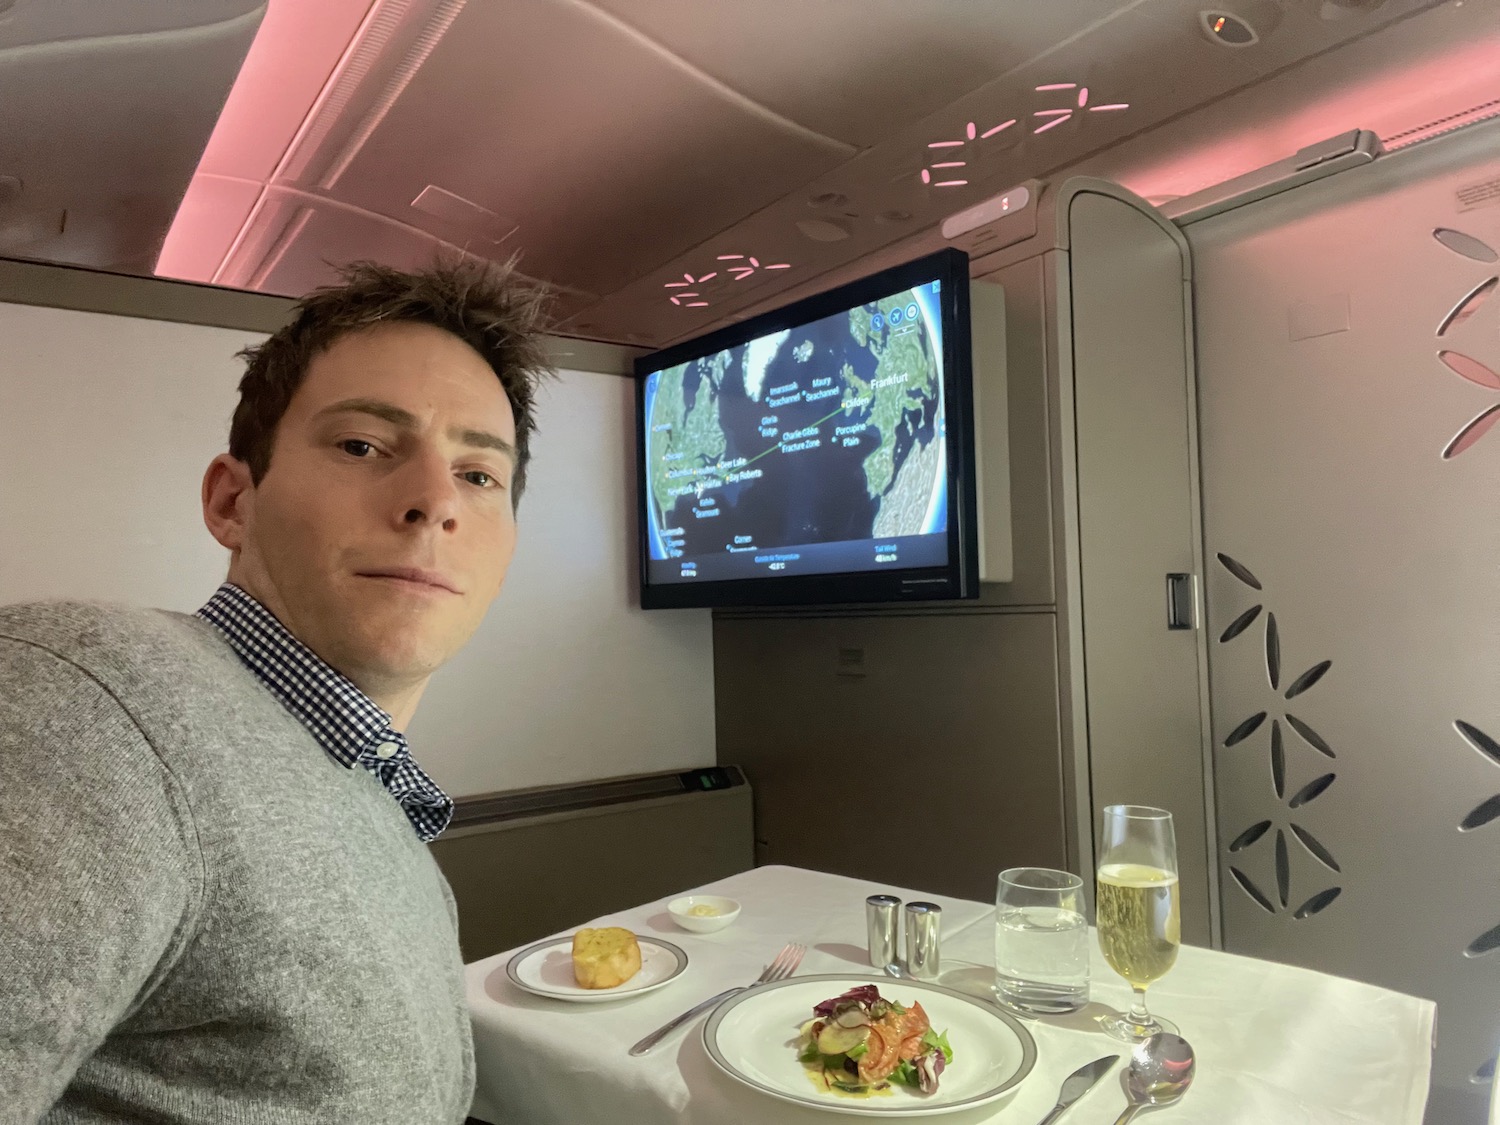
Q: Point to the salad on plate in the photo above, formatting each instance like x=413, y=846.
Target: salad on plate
x=862, y=1043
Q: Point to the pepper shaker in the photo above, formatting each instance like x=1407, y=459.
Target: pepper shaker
x=923, y=939
x=881, y=920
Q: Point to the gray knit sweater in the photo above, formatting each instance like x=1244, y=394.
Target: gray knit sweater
x=203, y=918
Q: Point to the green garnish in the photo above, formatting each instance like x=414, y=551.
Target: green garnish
x=939, y=1040
x=905, y=1074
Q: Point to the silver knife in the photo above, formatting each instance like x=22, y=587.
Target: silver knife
x=1079, y=1083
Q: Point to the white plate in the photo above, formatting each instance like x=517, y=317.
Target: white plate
x=546, y=969
x=752, y=1038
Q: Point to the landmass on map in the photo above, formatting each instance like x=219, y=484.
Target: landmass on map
x=747, y=447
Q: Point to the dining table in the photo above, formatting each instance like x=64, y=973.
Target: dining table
x=1274, y=1043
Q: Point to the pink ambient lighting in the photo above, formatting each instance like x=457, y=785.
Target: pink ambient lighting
x=969, y=130
x=1083, y=97
x=696, y=305
x=1057, y=86
x=779, y=266
x=950, y=183
x=1221, y=145
x=1052, y=124
x=997, y=129
x=926, y=176
x=1053, y=113
x=677, y=284
x=708, y=277
x=754, y=263
x=1109, y=108
x=730, y=257
x=944, y=144
x=741, y=272
x=296, y=48
x=951, y=164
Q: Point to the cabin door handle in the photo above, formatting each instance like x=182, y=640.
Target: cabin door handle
x=1180, y=601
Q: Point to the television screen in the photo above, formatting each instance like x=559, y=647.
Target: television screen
x=821, y=453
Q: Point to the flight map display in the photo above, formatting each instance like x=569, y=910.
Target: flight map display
x=817, y=450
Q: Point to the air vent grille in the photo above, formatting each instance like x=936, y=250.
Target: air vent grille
x=1484, y=111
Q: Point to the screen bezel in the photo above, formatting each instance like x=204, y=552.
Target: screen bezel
x=960, y=577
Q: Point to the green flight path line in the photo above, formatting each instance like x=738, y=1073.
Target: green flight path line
x=837, y=410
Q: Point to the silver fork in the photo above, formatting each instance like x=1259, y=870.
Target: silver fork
x=783, y=966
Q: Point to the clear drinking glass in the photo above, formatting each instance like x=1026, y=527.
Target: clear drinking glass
x=1137, y=909
x=1041, y=941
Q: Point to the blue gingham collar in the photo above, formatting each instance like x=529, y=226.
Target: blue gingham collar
x=346, y=722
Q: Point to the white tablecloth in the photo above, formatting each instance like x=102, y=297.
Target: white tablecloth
x=1276, y=1045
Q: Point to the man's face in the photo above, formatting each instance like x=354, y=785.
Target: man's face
x=384, y=526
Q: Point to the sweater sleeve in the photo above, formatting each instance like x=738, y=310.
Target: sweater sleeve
x=100, y=873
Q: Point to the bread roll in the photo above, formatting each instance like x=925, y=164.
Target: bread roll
x=605, y=958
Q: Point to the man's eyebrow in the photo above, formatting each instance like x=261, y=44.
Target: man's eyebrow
x=479, y=439
x=383, y=410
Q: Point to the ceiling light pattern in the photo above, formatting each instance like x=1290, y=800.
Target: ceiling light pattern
x=1076, y=101
x=1066, y=102
x=731, y=268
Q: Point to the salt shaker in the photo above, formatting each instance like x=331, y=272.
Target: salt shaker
x=923, y=940
x=880, y=928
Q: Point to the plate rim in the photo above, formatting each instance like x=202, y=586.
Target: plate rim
x=1028, y=1047
x=595, y=995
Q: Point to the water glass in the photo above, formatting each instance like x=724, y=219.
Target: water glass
x=1041, y=941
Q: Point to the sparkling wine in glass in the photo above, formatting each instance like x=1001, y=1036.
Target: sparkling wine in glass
x=1137, y=909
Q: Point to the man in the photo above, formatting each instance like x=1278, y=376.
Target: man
x=216, y=899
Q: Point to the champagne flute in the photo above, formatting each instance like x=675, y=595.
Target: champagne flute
x=1138, y=910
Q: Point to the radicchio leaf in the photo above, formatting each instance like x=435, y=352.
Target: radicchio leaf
x=863, y=994
x=929, y=1066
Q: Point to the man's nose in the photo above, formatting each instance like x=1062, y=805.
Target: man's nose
x=427, y=493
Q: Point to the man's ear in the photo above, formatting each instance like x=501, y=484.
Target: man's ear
x=228, y=494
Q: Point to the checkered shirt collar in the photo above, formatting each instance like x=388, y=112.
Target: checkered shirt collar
x=344, y=720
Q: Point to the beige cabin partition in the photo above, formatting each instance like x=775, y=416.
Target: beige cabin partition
x=1349, y=344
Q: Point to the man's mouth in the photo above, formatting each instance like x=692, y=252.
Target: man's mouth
x=416, y=576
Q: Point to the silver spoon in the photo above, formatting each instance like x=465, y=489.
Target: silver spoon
x=1161, y=1070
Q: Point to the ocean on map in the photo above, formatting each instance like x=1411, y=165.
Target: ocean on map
x=813, y=496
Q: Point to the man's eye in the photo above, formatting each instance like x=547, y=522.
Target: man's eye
x=480, y=478
x=356, y=448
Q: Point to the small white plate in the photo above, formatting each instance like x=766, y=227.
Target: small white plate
x=752, y=1037
x=546, y=969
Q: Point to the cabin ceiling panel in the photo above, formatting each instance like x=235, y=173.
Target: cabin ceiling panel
x=636, y=151
x=96, y=187
x=52, y=21
x=609, y=155
x=857, y=69
x=881, y=195
x=1042, y=116
x=294, y=240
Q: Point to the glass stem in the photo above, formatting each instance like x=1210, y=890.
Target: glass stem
x=1138, y=1014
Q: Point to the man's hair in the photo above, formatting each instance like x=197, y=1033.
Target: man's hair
x=490, y=307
